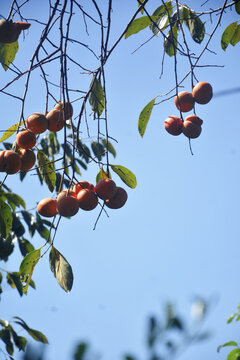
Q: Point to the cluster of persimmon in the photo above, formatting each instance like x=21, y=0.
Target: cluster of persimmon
x=185, y=101
x=83, y=195
x=24, y=158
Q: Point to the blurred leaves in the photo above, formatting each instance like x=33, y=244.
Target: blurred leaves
x=80, y=351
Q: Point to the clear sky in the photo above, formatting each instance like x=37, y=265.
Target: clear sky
x=178, y=234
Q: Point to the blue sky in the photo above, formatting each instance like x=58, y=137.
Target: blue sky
x=178, y=234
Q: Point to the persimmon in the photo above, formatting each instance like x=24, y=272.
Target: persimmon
x=2, y=161
x=64, y=193
x=47, y=207
x=185, y=101
x=37, y=123
x=67, y=206
x=118, y=200
x=26, y=139
x=202, y=92
x=105, y=188
x=66, y=108
x=194, y=119
x=10, y=162
x=87, y=199
x=28, y=159
x=10, y=31
x=55, y=120
x=192, y=126
x=173, y=125
x=83, y=185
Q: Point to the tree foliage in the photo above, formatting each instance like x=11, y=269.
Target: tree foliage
x=61, y=159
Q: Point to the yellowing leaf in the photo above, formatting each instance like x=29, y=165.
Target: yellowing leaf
x=8, y=53
x=10, y=131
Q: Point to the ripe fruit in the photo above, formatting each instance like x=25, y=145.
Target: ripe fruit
x=184, y=100
x=192, y=126
x=83, y=185
x=194, y=119
x=67, y=206
x=87, y=199
x=2, y=161
x=10, y=162
x=67, y=107
x=202, y=92
x=47, y=207
x=55, y=120
x=26, y=139
x=37, y=123
x=118, y=200
x=10, y=31
x=66, y=193
x=173, y=125
x=28, y=159
x=105, y=188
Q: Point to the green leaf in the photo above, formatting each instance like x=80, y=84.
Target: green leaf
x=38, y=336
x=102, y=175
x=139, y=4
x=228, y=34
x=138, y=25
x=170, y=42
x=109, y=146
x=237, y=7
x=144, y=117
x=98, y=150
x=15, y=199
x=234, y=355
x=35, y=334
x=10, y=131
x=194, y=24
x=25, y=246
x=126, y=175
x=20, y=342
x=236, y=37
x=17, y=226
x=229, y=343
x=8, y=53
x=6, y=338
x=5, y=219
x=41, y=229
x=162, y=13
x=27, y=266
x=15, y=281
x=46, y=170
x=97, y=97
x=231, y=317
x=61, y=269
